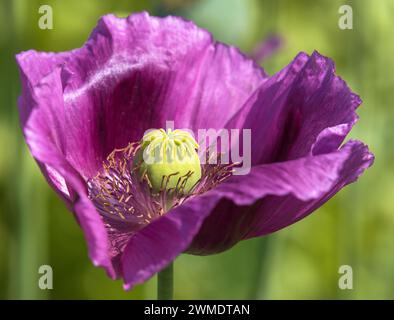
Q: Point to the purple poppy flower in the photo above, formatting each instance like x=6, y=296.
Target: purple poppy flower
x=82, y=112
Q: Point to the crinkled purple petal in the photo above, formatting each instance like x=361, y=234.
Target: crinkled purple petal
x=274, y=196
x=33, y=67
x=155, y=246
x=229, y=213
x=43, y=130
x=137, y=73
x=292, y=108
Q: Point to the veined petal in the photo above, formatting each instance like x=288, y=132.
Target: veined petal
x=155, y=246
x=43, y=133
x=220, y=218
x=292, y=108
x=274, y=196
x=137, y=73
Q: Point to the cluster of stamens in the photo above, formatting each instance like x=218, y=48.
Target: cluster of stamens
x=120, y=193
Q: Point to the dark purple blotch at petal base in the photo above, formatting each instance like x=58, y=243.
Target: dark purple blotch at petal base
x=136, y=73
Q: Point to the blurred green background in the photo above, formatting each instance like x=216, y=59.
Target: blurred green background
x=302, y=261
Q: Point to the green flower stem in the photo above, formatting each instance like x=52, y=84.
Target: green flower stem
x=263, y=255
x=165, y=283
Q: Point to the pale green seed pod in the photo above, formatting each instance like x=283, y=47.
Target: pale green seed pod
x=169, y=160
